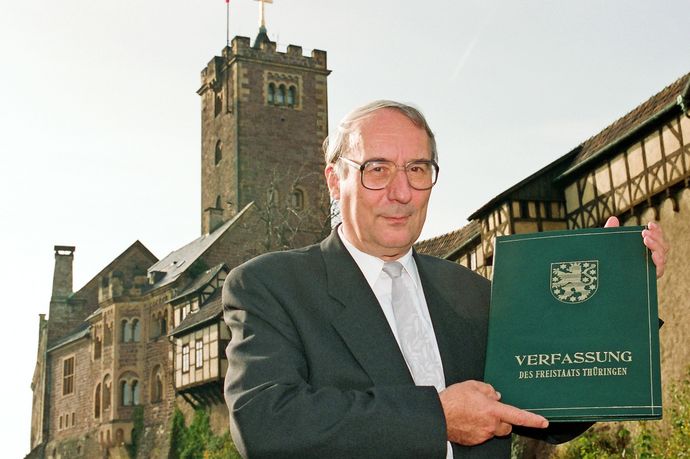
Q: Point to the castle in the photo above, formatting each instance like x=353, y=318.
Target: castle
x=146, y=335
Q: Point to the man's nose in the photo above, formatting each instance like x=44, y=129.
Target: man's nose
x=399, y=188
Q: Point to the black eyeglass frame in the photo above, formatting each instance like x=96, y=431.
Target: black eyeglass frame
x=362, y=166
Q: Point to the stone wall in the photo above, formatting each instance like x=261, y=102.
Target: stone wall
x=76, y=438
x=674, y=291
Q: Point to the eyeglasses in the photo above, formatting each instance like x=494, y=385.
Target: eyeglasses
x=376, y=174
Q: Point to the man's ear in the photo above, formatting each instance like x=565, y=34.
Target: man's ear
x=333, y=181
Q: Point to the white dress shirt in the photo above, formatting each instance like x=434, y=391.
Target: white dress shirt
x=381, y=284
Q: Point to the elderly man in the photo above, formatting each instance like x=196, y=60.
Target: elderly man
x=358, y=346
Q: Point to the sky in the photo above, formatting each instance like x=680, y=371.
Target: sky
x=100, y=120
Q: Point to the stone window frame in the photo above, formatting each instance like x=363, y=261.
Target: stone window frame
x=68, y=382
x=159, y=325
x=107, y=393
x=129, y=389
x=98, y=401
x=130, y=330
x=290, y=85
x=298, y=198
x=157, y=385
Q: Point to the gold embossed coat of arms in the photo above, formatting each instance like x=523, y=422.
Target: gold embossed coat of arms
x=574, y=281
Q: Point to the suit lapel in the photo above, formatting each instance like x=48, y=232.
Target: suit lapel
x=361, y=322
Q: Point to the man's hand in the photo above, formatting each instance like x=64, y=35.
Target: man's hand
x=653, y=238
x=474, y=414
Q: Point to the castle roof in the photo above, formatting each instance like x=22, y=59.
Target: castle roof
x=647, y=113
x=81, y=331
x=89, y=291
x=445, y=245
x=210, y=311
x=542, y=184
x=201, y=281
x=178, y=261
x=261, y=38
x=538, y=186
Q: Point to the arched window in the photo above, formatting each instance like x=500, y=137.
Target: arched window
x=107, y=389
x=136, y=392
x=219, y=152
x=291, y=96
x=97, y=402
x=125, y=331
x=163, y=325
x=271, y=93
x=219, y=204
x=125, y=394
x=280, y=95
x=136, y=330
x=297, y=199
x=156, y=384
x=119, y=436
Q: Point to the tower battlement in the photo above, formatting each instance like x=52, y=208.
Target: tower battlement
x=266, y=52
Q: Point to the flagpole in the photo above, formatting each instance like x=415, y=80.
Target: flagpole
x=227, y=22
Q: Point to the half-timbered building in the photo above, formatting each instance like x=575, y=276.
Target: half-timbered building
x=637, y=169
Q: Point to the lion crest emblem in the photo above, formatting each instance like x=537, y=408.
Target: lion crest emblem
x=574, y=281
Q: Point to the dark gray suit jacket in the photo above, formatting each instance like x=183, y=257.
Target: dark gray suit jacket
x=315, y=371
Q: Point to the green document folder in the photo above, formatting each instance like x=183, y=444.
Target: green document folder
x=573, y=329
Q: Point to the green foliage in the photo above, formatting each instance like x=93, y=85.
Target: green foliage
x=222, y=447
x=654, y=440
x=517, y=447
x=137, y=430
x=198, y=441
x=604, y=443
x=197, y=436
x=177, y=434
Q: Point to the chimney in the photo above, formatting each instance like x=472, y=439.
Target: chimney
x=62, y=276
x=213, y=219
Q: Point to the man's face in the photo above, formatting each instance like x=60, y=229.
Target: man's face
x=384, y=223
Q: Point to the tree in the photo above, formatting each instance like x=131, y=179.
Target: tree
x=290, y=215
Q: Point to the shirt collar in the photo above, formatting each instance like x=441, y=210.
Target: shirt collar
x=372, y=266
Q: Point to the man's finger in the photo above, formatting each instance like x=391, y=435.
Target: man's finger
x=518, y=417
x=655, y=241
x=612, y=222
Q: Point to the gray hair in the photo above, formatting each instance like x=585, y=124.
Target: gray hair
x=343, y=140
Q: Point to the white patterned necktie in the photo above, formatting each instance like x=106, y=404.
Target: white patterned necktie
x=415, y=340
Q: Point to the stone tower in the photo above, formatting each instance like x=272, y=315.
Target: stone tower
x=264, y=115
